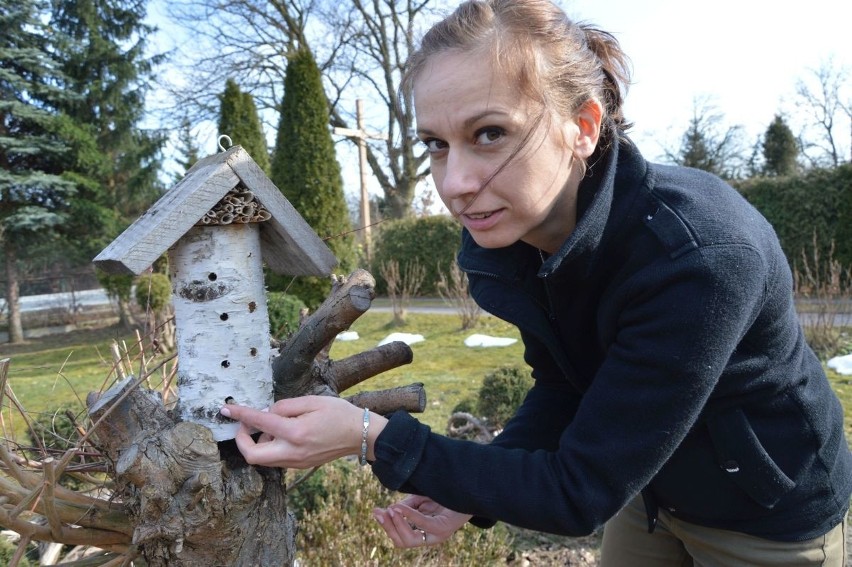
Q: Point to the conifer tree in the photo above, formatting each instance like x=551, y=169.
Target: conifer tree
x=305, y=167
x=187, y=148
x=107, y=64
x=780, y=149
x=105, y=61
x=238, y=119
x=36, y=140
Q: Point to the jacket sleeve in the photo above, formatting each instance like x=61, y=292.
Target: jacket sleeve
x=679, y=324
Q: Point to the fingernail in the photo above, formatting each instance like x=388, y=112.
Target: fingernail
x=379, y=519
x=225, y=411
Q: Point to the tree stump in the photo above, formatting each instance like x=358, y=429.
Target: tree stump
x=191, y=500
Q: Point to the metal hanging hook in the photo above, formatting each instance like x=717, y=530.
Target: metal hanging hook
x=224, y=137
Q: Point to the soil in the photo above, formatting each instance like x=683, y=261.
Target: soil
x=535, y=549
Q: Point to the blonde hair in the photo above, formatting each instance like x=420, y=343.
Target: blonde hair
x=560, y=63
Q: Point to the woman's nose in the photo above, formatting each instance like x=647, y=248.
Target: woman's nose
x=460, y=177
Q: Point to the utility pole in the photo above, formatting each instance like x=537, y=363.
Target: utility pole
x=361, y=137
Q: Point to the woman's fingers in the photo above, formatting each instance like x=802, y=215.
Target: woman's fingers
x=298, y=432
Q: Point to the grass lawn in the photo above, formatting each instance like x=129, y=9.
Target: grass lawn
x=57, y=372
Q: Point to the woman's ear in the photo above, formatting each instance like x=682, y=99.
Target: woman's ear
x=588, y=123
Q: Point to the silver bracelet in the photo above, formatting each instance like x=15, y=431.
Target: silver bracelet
x=363, y=459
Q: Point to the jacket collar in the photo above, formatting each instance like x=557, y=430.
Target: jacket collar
x=595, y=202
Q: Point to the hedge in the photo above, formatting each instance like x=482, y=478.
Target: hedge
x=432, y=242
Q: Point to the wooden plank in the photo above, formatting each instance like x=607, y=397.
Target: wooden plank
x=134, y=250
x=290, y=245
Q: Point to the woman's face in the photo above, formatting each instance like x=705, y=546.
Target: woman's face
x=471, y=119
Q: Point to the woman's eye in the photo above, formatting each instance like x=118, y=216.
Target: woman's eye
x=434, y=145
x=489, y=135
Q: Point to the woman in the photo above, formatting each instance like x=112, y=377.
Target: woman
x=675, y=399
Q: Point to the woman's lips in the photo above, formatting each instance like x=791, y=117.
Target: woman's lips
x=482, y=220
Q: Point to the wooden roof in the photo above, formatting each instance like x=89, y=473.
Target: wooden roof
x=288, y=244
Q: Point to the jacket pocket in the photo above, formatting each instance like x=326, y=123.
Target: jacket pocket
x=741, y=455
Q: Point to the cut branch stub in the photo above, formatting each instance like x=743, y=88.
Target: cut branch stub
x=301, y=368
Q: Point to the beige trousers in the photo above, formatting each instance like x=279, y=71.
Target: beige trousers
x=675, y=543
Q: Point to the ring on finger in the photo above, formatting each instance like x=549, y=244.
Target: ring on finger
x=422, y=533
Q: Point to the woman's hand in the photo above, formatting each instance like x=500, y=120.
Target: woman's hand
x=301, y=432
x=417, y=521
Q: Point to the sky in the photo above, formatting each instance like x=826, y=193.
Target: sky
x=743, y=56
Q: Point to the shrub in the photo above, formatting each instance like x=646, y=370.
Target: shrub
x=7, y=552
x=502, y=392
x=56, y=433
x=339, y=528
x=154, y=291
x=432, y=242
x=284, y=313
x=818, y=202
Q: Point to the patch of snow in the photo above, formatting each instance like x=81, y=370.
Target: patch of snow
x=486, y=341
x=407, y=338
x=841, y=364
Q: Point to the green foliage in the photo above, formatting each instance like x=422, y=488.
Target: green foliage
x=284, y=313
x=238, y=119
x=339, y=529
x=109, y=66
x=187, y=149
x=54, y=431
x=305, y=169
x=843, y=232
x=780, y=149
x=7, y=551
x=35, y=136
x=502, y=392
x=800, y=207
x=118, y=286
x=154, y=291
x=432, y=242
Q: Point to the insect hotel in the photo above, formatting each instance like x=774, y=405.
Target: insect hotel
x=219, y=225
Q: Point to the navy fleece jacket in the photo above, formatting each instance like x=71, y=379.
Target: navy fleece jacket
x=668, y=359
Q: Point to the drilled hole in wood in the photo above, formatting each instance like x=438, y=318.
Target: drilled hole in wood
x=253, y=351
x=226, y=363
x=212, y=276
x=252, y=306
x=223, y=316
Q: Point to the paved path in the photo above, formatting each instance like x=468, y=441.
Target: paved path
x=80, y=300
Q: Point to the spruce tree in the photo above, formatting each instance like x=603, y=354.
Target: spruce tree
x=187, y=148
x=780, y=149
x=305, y=168
x=106, y=63
x=36, y=139
x=238, y=119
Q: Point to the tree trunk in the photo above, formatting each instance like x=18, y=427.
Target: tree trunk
x=16, y=330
